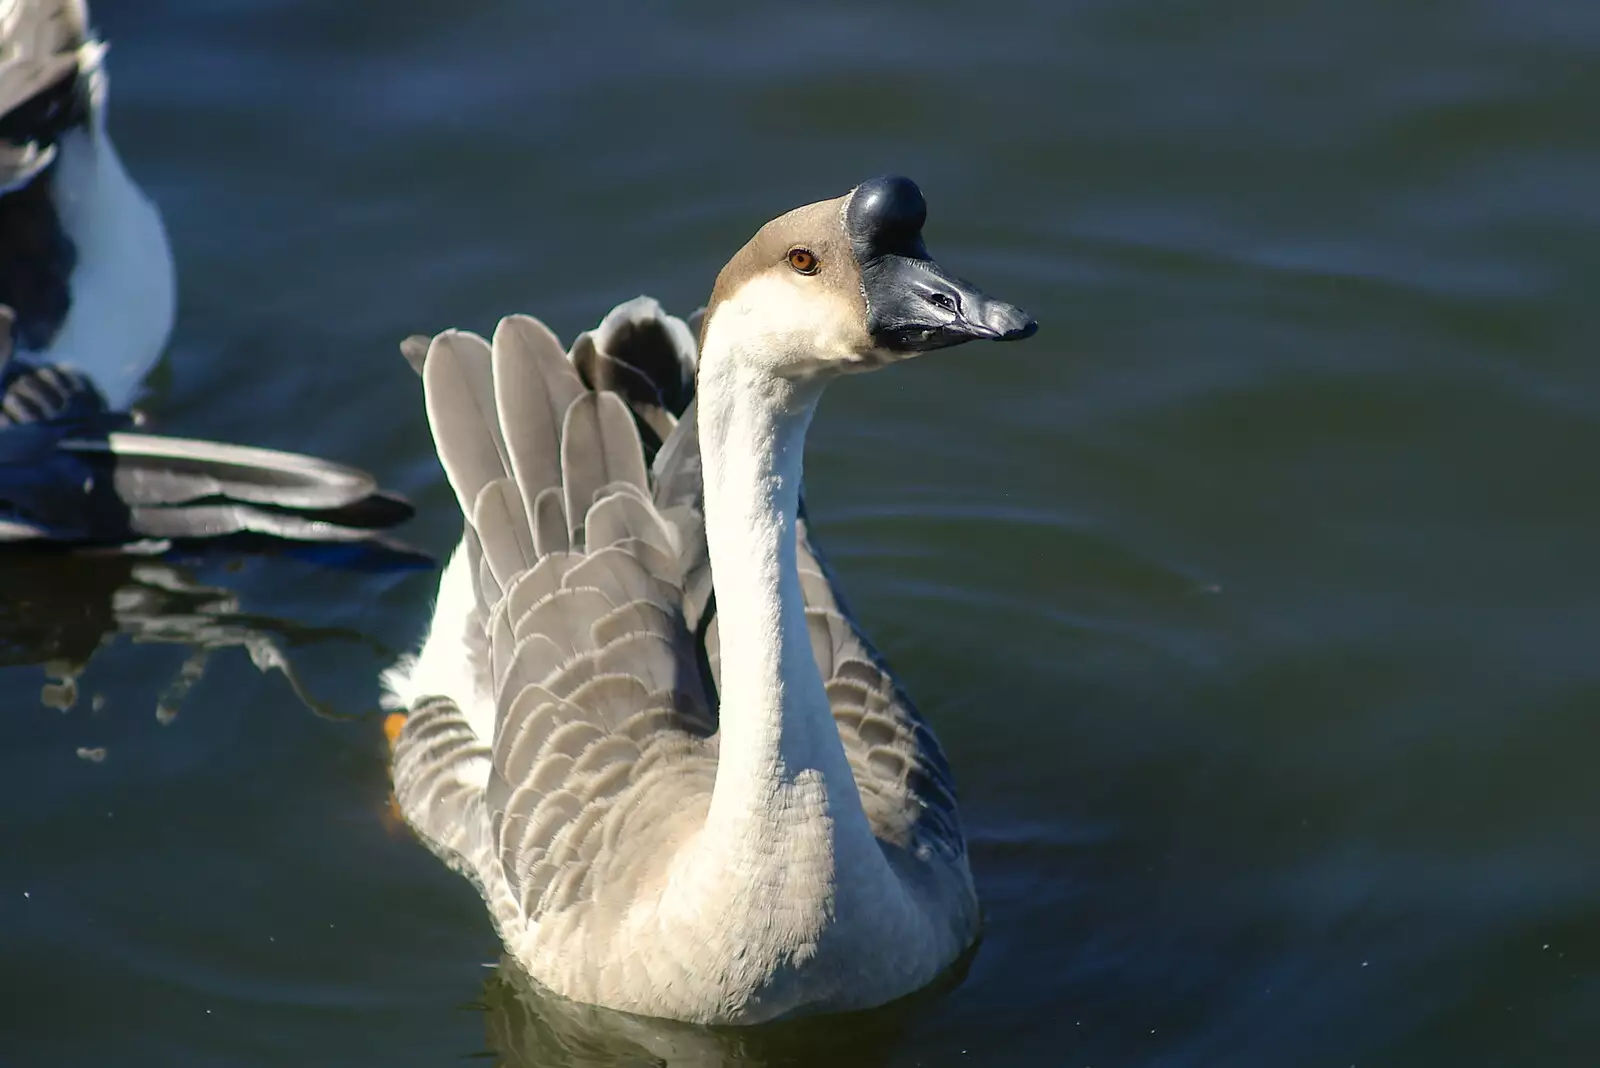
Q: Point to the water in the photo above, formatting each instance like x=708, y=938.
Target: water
x=1253, y=599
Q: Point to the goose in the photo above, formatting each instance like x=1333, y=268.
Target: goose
x=642, y=722
x=87, y=299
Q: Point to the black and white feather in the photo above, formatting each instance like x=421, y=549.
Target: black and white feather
x=75, y=473
x=86, y=307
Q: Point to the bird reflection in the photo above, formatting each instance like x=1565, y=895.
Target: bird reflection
x=528, y=1027
x=61, y=610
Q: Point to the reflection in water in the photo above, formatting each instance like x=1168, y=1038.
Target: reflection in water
x=60, y=610
x=529, y=1027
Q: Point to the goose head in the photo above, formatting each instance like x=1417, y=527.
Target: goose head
x=847, y=285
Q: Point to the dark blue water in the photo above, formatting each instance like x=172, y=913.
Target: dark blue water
x=1254, y=599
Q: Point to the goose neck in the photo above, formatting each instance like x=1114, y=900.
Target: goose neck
x=776, y=723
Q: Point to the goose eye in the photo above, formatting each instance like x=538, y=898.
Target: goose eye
x=803, y=260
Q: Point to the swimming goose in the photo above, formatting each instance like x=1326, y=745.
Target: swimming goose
x=86, y=306
x=642, y=722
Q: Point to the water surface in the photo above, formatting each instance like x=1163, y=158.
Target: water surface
x=1254, y=599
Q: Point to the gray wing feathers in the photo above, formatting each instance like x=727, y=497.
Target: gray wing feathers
x=502, y=528
x=583, y=641
x=158, y=470
x=906, y=785
x=550, y=533
x=458, y=388
x=533, y=388
x=600, y=684
x=599, y=446
x=438, y=762
x=439, y=746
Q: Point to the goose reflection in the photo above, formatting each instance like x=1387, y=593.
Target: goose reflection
x=60, y=611
x=528, y=1027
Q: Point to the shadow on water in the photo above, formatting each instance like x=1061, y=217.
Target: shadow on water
x=61, y=610
x=528, y=1027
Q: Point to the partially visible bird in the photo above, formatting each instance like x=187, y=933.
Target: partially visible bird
x=86, y=308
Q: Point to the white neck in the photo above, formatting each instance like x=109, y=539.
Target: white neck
x=776, y=723
x=785, y=797
x=785, y=895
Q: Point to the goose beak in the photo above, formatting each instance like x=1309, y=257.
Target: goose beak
x=913, y=305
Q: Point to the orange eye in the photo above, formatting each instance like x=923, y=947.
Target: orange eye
x=803, y=260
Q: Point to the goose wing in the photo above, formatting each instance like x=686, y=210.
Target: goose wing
x=576, y=630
